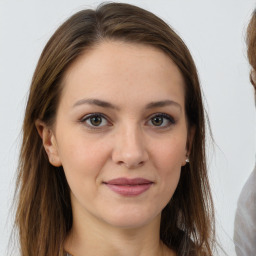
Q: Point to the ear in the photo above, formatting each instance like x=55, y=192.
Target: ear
x=49, y=142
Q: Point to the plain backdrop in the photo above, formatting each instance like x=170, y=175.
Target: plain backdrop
x=214, y=31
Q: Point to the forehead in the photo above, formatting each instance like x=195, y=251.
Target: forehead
x=121, y=68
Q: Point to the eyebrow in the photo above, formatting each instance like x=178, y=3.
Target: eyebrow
x=105, y=104
x=163, y=103
x=100, y=103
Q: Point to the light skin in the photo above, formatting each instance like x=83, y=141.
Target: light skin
x=121, y=115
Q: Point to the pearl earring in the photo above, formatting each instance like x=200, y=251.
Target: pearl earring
x=187, y=160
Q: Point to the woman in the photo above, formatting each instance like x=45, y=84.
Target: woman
x=113, y=153
x=245, y=220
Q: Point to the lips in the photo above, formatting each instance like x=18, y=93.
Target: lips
x=129, y=187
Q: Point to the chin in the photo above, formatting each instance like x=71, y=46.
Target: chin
x=132, y=219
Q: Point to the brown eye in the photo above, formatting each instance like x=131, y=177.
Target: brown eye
x=161, y=120
x=157, y=120
x=95, y=120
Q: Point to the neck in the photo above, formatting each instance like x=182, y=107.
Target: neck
x=96, y=238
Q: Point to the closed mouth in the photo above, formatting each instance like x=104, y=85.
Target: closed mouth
x=129, y=187
x=128, y=182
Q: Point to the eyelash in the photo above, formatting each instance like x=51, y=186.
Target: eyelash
x=170, y=119
x=93, y=115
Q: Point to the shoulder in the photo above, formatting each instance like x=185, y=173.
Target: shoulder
x=247, y=197
x=245, y=221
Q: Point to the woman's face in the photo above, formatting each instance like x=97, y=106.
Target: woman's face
x=121, y=133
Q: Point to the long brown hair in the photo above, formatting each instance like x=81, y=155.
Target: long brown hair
x=44, y=214
x=251, y=47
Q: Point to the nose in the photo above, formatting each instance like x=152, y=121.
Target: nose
x=130, y=148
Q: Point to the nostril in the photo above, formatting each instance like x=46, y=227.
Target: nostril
x=141, y=163
x=130, y=156
x=130, y=164
x=120, y=163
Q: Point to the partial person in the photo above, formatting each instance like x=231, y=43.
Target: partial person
x=245, y=219
x=113, y=153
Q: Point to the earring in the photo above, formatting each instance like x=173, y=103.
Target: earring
x=187, y=160
x=51, y=159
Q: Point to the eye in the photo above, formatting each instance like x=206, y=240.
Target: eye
x=161, y=120
x=95, y=121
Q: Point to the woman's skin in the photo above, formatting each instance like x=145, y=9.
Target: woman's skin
x=121, y=115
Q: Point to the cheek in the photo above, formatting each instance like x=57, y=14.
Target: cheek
x=82, y=163
x=170, y=153
x=169, y=158
x=82, y=158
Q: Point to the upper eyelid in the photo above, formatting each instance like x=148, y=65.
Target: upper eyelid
x=87, y=116
x=165, y=115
